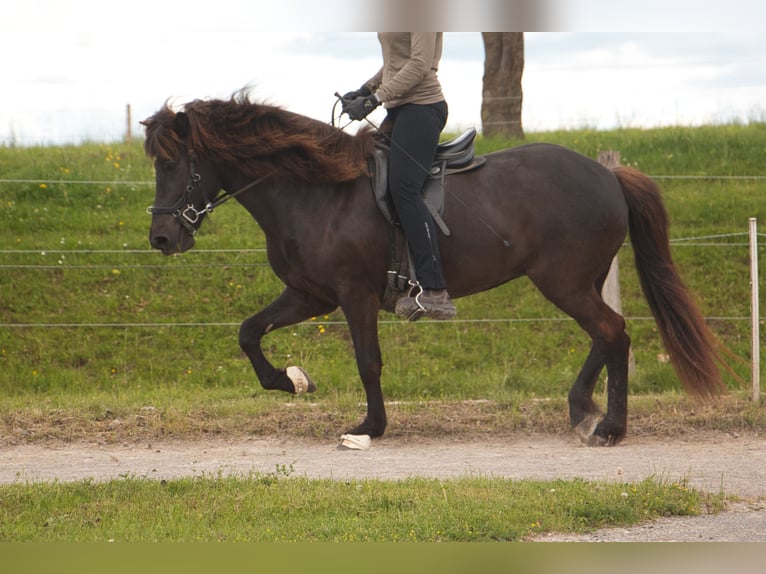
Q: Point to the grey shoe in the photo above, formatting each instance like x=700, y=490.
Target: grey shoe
x=432, y=303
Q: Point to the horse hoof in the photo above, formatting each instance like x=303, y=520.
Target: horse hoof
x=302, y=383
x=596, y=440
x=355, y=441
x=585, y=430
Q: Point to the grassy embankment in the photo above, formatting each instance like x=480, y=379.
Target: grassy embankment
x=150, y=343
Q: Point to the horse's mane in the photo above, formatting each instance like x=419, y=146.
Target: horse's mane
x=260, y=138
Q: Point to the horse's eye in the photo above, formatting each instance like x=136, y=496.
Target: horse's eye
x=168, y=166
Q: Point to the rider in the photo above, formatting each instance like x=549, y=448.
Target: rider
x=408, y=86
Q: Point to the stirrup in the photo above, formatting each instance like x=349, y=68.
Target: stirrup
x=420, y=310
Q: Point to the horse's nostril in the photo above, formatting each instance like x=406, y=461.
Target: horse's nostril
x=159, y=242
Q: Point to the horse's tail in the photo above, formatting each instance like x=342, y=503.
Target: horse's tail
x=691, y=345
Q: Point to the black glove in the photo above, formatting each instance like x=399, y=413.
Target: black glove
x=358, y=108
x=360, y=93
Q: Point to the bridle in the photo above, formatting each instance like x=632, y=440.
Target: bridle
x=185, y=212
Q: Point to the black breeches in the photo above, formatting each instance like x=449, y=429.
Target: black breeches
x=414, y=137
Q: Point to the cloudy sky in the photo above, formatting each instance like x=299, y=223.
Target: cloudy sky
x=70, y=67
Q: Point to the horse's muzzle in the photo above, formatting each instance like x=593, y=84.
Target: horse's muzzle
x=171, y=243
x=162, y=243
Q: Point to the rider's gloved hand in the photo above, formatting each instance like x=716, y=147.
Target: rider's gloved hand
x=354, y=94
x=359, y=108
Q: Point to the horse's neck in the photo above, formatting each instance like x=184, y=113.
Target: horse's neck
x=279, y=204
x=272, y=201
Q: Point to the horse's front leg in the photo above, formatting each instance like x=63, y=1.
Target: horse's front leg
x=362, y=316
x=290, y=307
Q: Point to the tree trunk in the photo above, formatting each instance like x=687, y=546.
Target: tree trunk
x=501, y=93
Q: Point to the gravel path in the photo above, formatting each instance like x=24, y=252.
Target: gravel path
x=710, y=462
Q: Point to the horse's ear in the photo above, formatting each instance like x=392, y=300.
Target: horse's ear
x=181, y=125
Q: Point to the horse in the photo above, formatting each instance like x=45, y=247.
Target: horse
x=537, y=210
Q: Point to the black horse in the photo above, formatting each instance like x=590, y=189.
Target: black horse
x=538, y=210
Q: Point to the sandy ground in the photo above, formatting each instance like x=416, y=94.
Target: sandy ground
x=711, y=462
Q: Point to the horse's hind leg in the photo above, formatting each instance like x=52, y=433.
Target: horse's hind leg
x=584, y=414
x=610, y=348
x=290, y=307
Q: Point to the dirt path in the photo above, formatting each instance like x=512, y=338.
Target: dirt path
x=711, y=462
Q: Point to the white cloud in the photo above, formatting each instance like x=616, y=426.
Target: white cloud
x=70, y=68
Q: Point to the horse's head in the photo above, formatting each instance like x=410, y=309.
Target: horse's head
x=185, y=184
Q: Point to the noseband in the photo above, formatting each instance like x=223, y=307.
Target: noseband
x=184, y=210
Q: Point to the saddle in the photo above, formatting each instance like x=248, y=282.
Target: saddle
x=454, y=156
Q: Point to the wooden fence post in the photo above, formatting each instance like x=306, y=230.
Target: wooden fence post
x=755, y=313
x=611, y=290
x=128, y=124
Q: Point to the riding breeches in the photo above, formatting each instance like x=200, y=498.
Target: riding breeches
x=415, y=131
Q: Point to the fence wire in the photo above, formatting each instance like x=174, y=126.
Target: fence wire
x=698, y=241
x=151, y=182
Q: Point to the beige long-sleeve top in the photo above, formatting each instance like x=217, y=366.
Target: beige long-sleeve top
x=410, y=64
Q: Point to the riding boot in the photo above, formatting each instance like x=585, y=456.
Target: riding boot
x=432, y=303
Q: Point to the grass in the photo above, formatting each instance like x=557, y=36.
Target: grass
x=277, y=508
x=94, y=322
x=104, y=419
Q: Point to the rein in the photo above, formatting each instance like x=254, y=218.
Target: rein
x=184, y=210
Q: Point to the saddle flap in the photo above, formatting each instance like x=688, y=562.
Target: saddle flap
x=379, y=180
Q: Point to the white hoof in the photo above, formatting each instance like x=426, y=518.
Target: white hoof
x=302, y=383
x=355, y=441
x=585, y=430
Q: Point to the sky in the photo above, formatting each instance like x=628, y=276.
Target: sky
x=71, y=67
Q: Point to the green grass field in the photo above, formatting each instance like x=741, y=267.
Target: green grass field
x=103, y=320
